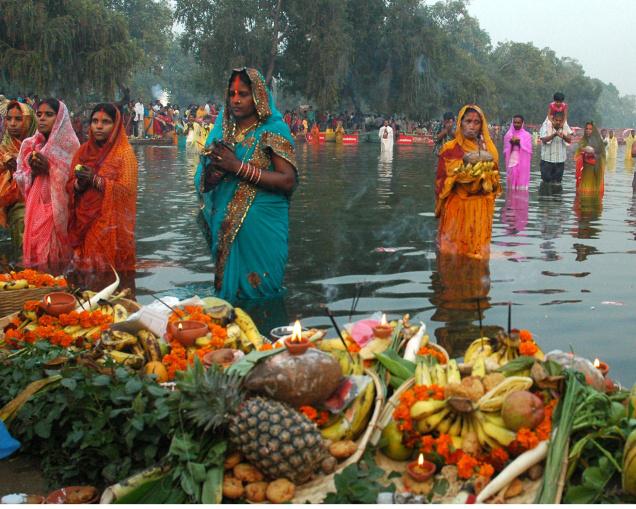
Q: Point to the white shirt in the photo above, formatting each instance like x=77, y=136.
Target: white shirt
x=389, y=132
x=554, y=151
x=139, y=112
x=207, y=108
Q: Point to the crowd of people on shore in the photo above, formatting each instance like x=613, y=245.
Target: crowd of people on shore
x=68, y=196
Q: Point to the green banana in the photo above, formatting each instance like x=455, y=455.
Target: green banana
x=337, y=430
x=422, y=409
x=363, y=411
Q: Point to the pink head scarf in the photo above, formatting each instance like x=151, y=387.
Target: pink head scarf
x=62, y=143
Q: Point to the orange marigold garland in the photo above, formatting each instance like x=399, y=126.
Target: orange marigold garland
x=527, y=346
x=34, y=278
x=433, y=352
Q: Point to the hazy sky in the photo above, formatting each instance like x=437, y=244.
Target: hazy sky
x=597, y=33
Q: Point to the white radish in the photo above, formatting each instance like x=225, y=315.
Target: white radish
x=413, y=345
x=101, y=295
x=523, y=462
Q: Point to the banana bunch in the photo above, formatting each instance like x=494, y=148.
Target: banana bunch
x=349, y=364
x=15, y=284
x=250, y=337
x=131, y=350
x=471, y=424
x=475, y=170
x=629, y=464
x=496, y=353
x=353, y=421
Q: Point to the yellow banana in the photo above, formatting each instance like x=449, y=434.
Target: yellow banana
x=329, y=345
x=456, y=428
x=127, y=359
x=453, y=376
x=245, y=322
x=422, y=409
x=502, y=435
x=479, y=367
x=18, y=284
x=120, y=313
x=431, y=422
x=363, y=411
x=440, y=375
x=480, y=347
x=70, y=329
x=445, y=425
x=493, y=399
x=150, y=345
x=337, y=430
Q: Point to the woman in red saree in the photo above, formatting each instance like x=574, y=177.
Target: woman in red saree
x=103, y=189
x=466, y=198
x=42, y=174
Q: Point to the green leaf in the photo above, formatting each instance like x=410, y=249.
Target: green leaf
x=69, y=383
x=43, y=429
x=101, y=380
x=212, y=492
x=133, y=386
x=245, y=364
x=156, y=390
x=580, y=494
x=440, y=487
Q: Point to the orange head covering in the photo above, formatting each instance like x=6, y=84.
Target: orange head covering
x=470, y=145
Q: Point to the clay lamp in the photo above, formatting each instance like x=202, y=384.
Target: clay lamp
x=420, y=470
x=601, y=366
x=383, y=330
x=296, y=344
x=187, y=331
x=57, y=303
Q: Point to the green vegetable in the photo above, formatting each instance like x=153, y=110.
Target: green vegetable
x=359, y=483
x=521, y=363
x=395, y=364
x=562, y=420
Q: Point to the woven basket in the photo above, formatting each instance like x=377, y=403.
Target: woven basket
x=13, y=300
x=434, y=346
x=530, y=488
x=314, y=492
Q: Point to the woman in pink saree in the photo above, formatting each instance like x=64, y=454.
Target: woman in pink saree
x=43, y=170
x=518, y=154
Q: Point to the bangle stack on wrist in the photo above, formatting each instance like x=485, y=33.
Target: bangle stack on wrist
x=252, y=174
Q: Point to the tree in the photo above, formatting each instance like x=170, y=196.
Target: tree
x=66, y=47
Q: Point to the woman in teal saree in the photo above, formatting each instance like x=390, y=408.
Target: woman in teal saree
x=245, y=179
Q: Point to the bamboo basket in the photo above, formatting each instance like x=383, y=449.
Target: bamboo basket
x=12, y=301
x=314, y=492
x=430, y=344
x=530, y=488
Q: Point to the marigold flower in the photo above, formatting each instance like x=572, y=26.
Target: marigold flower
x=525, y=335
x=528, y=348
x=466, y=466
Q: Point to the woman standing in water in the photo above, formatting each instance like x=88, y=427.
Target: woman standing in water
x=103, y=191
x=590, y=162
x=43, y=172
x=465, y=205
x=245, y=181
x=19, y=124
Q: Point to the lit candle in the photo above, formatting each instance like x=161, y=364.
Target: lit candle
x=187, y=331
x=48, y=300
x=420, y=470
x=383, y=330
x=296, y=344
x=601, y=366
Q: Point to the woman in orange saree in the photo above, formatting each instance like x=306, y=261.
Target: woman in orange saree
x=103, y=190
x=466, y=186
x=19, y=124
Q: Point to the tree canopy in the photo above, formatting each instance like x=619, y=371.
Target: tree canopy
x=404, y=57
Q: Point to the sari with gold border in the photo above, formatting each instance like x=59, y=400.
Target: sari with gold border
x=248, y=225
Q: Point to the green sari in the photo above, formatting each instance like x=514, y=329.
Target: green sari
x=248, y=225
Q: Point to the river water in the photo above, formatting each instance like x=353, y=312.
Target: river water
x=362, y=226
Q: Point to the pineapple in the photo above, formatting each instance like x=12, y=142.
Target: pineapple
x=277, y=439
x=271, y=435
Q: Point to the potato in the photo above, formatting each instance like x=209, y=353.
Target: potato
x=232, y=460
x=342, y=449
x=280, y=491
x=256, y=491
x=248, y=473
x=232, y=487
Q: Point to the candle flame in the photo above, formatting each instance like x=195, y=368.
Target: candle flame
x=383, y=321
x=180, y=326
x=48, y=300
x=420, y=460
x=297, y=333
x=597, y=363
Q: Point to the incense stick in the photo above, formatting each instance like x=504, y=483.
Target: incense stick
x=335, y=325
x=176, y=312
x=481, y=330
x=509, y=317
